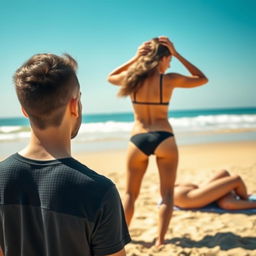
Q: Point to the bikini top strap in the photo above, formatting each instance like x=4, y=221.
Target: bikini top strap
x=134, y=97
x=161, y=88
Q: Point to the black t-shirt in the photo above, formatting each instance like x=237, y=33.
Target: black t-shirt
x=58, y=207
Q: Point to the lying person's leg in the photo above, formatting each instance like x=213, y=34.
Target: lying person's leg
x=221, y=174
x=231, y=202
x=215, y=190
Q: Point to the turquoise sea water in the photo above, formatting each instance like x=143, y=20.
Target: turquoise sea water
x=124, y=117
x=111, y=130
x=128, y=117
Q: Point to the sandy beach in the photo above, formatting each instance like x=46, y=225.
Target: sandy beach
x=190, y=233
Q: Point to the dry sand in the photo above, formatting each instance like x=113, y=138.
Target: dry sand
x=190, y=233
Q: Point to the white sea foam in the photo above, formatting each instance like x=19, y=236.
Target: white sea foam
x=107, y=127
x=10, y=129
x=121, y=130
x=112, y=130
x=14, y=136
x=212, y=122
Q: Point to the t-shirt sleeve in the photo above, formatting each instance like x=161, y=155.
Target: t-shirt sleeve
x=111, y=233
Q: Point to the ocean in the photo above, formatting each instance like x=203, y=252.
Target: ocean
x=111, y=131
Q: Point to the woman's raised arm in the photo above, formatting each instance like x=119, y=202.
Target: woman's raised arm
x=197, y=77
x=117, y=76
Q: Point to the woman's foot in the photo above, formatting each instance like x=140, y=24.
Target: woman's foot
x=159, y=242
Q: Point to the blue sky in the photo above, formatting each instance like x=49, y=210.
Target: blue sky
x=217, y=36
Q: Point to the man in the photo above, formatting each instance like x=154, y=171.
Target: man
x=50, y=204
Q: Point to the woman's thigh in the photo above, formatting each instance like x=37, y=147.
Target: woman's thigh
x=167, y=162
x=137, y=163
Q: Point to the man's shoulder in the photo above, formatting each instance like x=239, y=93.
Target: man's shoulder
x=83, y=171
x=8, y=160
x=89, y=188
x=60, y=169
x=84, y=178
x=65, y=185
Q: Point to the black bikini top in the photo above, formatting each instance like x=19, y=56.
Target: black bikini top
x=153, y=103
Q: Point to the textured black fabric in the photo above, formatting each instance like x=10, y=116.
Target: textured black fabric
x=58, y=207
x=148, y=142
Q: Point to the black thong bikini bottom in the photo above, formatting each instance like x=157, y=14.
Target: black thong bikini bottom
x=148, y=142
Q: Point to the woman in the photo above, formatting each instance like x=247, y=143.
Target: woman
x=143, y=78
x=228, y=191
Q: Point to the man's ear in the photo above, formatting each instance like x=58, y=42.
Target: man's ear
x=24, y=112
x=73, y=106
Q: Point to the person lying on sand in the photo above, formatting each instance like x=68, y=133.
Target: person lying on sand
x=228, y=191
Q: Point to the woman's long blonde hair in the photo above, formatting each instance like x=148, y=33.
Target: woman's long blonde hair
x=143, y=67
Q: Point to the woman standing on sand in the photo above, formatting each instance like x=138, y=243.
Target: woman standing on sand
x=143, y=78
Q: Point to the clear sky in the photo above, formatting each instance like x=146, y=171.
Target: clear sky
x=217, y=36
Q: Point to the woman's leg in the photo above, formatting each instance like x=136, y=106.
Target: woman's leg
x=219, y=175
x=137, y=163
x=167, y=161
x=215, y=190
x=230, y=202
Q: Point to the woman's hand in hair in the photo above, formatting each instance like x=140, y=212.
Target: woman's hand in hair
x=143, y=49
x=166, y=42
x=117, y=76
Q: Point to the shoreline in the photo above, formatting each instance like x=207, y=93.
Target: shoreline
x=79, y=145
x=184, y=149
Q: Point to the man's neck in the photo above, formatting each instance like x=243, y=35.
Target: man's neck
x=47, y=145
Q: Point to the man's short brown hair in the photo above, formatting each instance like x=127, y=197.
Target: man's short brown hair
x=44, y=86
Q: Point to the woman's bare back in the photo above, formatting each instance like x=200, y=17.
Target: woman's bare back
x=150, y=104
